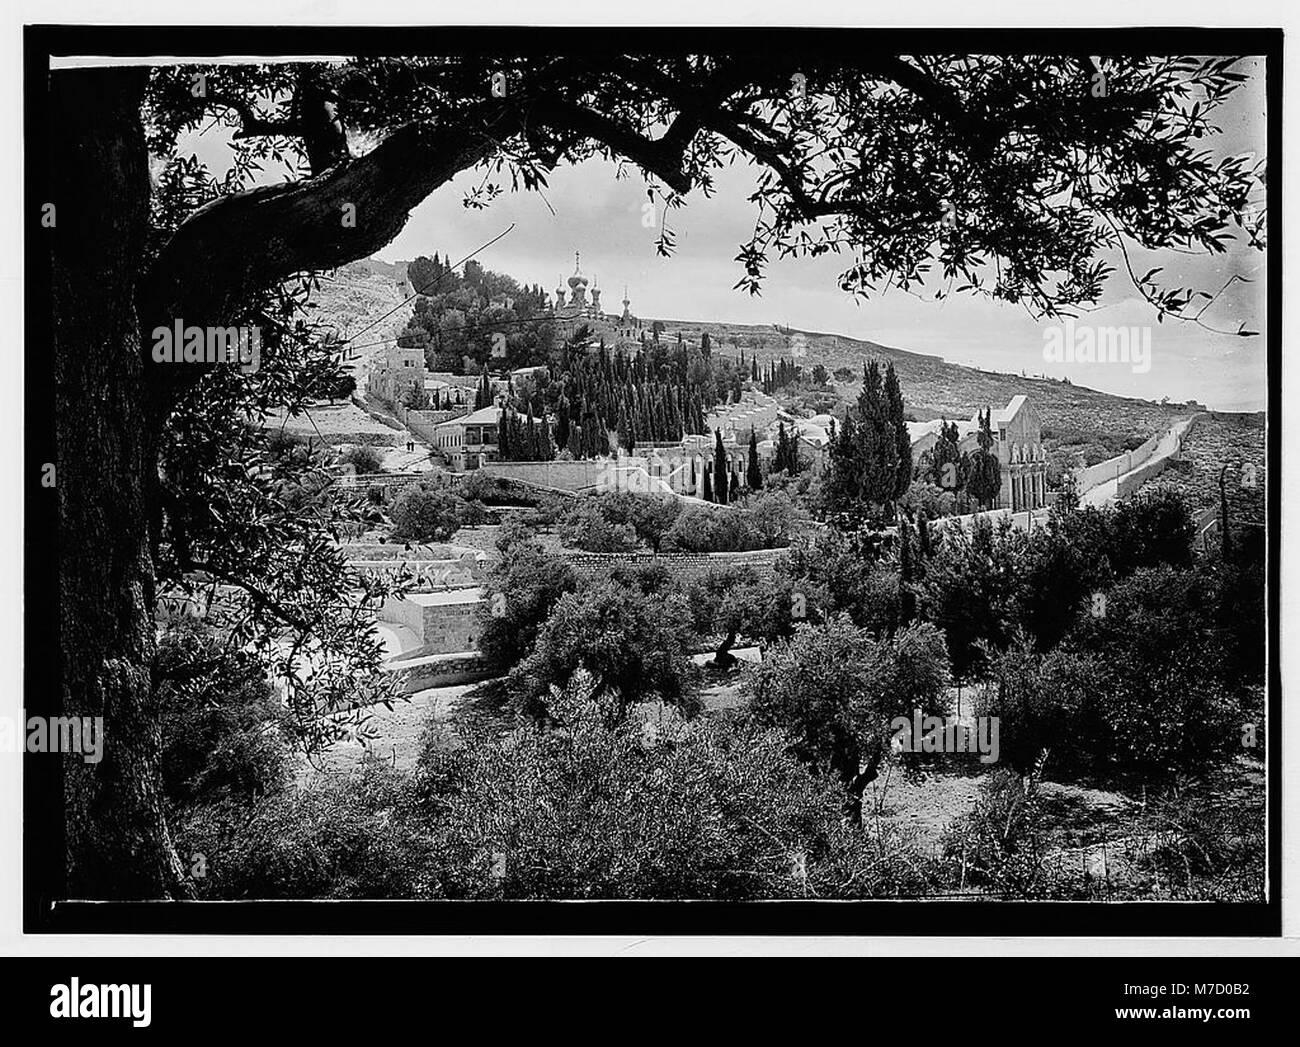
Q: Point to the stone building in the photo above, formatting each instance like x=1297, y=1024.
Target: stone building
x=1017, y=442
x=398, y=370
x=469, y=441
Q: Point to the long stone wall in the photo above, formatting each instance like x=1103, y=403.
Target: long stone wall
x=1131, y=482
x=1119, y=465
x=423, y=574
x=1132, y=470
x=566, y=476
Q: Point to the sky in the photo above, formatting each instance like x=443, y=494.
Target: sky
x=590, y=209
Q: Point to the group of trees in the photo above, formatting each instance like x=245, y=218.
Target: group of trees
x=591, y=792
x=628, y=393
x=786, y=458
x=778, y=374
x=459, y=315
x=974, y=477
x=623, y=522
x=871, y=452
x=524, y=439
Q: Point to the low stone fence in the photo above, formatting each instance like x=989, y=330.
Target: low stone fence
x=440, y=670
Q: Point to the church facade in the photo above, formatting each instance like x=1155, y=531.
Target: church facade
x=1017, y=441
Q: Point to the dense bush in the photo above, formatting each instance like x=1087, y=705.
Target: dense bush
x=703, y=529
x=634, y=645
x=928, y=499
x=363, y=458
x=521, y=589
x=590, y=528
x=223, y=727
x=357, y=836
x=421, y=515
x=612, y=807
x=832, y=575
x=1136, y=688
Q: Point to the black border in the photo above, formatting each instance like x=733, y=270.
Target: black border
x=42, y=785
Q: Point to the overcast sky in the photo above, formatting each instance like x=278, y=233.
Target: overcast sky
x=600, y=215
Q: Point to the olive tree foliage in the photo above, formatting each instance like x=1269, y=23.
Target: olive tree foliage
x=1008, y=173
x=634, y=644
x=607, y=806
x=1005, y=175
x=834, y=689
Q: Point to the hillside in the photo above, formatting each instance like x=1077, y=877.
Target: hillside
x=1073, y=416
x=1080, y=425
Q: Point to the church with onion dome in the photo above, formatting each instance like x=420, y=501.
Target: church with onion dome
x=579, y=305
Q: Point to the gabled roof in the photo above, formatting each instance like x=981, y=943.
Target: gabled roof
x=1012, y=409
x=483, y=416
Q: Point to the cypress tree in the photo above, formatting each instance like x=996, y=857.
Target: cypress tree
x=624, y=434
x=504, y=449
x=547, y=448
x=753, y=475
x=782, y=459
x=902, y=441
x=708, y=484
x=720, y=468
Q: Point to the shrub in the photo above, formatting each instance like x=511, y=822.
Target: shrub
x=615, y=807
x=702, y=529
x=520, y=590
x=363, y=459
x=358, y=836
x=588, y=528
x=420, y=515
x=772, y=515
x=1003, y=844
x=222, y=724
x=634, y=645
